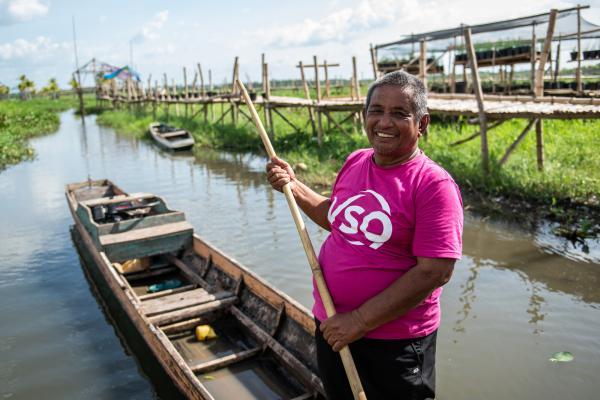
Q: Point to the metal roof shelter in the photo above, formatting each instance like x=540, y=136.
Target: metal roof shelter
x=566, y=26
x=501, y=45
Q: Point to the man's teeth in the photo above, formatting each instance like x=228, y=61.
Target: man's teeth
x=384, y=135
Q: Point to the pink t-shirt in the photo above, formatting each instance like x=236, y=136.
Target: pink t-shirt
x=382, y=219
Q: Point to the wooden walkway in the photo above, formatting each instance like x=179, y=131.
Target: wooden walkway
x=496, y=107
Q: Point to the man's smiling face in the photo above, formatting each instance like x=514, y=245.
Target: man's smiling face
x=391, y=125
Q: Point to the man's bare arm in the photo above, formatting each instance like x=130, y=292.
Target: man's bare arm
x=396, y=300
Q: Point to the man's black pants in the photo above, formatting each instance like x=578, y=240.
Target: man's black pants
x=388, y=369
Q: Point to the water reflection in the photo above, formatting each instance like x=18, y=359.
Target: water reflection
x=467, y=297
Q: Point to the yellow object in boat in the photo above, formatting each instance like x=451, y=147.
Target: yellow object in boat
x=135, y=265
x=205, y=332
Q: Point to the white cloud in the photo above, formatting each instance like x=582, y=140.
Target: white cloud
x=37, y=49
x=341, y=25
x=14, y=11
x=150, y=30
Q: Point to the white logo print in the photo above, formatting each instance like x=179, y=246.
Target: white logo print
x=351, y=224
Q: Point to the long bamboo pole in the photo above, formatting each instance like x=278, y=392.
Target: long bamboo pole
x=354, y=379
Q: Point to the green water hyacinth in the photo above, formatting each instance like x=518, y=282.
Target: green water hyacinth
x=562, y=356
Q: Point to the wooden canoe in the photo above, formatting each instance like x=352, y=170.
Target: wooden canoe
x=265, y=346
x=171, y=138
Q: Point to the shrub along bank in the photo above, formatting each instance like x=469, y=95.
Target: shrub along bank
x=21, y=120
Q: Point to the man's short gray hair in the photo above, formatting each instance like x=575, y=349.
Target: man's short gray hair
x=403, y=81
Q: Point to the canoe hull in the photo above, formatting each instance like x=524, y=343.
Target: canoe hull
x=277, y=346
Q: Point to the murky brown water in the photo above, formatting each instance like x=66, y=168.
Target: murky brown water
x=514, y=300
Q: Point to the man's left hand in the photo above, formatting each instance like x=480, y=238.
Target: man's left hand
x=343, y=329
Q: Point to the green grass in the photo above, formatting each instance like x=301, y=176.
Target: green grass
x=21, y=120
x=571, y=172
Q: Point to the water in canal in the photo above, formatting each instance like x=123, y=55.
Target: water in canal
x=515, y=298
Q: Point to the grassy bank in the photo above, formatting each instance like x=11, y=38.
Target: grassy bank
x=567, y=189
x=21, y=120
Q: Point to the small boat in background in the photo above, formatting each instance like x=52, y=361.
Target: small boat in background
x=170, y=137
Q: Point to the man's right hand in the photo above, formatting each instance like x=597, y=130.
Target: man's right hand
x=279, y=173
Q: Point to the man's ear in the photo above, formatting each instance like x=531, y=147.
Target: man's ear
x=424, y=123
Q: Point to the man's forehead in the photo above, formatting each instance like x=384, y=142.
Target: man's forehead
x=393, y=92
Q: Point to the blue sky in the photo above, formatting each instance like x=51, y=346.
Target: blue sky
x=36, y=35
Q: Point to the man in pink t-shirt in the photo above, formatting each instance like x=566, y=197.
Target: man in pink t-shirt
x=395, y=219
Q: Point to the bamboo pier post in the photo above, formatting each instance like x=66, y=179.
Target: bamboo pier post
x=234, y=103
x=493, y=69
x=327, y=83
x=210, y=88
x=185, y=91
x=175, y=96
x=267, y=105
x=307, y=95
x=262, y=68
x=346, y=356
x=155, y=100
x=578, y=72
x=557, y=62
x=359, y=116
x=318, y=89
x=539, y=89
x=317, y=80
x=201, y=76
x=453, y=79
x=194, y=92
x=539, y=138
x=533, y=57
x=539, y=78
x=485, y=157
x=423, y=62
x=373, y=60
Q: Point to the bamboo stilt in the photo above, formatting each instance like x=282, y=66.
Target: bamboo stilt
x=485, y=158
x=539, y=79
x=539, y=137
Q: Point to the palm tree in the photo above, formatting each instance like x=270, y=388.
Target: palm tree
x=26, y=87
x=74, y=85
x=52, y=88
x=4, y=91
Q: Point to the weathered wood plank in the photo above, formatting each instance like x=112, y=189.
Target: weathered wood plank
x=225, y=361
x=149, y=273
x=177, y=301
x=194, y=311
x=146, y=233
x=166, y=292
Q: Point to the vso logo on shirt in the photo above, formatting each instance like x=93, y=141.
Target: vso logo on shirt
x=363, y=218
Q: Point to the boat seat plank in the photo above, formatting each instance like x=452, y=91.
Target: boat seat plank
x=146, y=233
x=180, y=300
x=149, y=273
x=193, y=311
x=172, y=134
x=225, y=361
x=162, y=293
x=117, y=199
